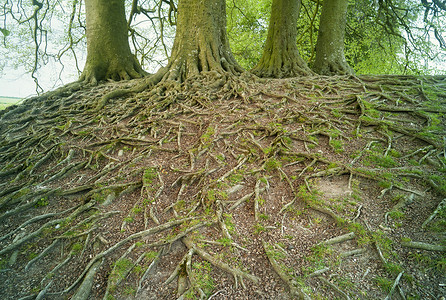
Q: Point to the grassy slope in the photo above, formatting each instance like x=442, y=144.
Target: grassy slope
x=7, y=101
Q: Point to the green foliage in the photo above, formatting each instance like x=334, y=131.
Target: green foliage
x=397, y=215
x=100, y=197
x=318, y=257
x=337, y=145
x=272, y=164
x=247, y=25
x=375, y=42
x=439, y=183
x=225, y=242
x=263, y=217
x=76, y=248
x=229, y=223
x=149, y=175
x=309, y=197
x=236, y=177
x=206, y=137
x=129, y=219
x=42, y=202
x=130, y=291
x=259, y=228
x=384, y=283
x=3, y=263
x=441, y=265
x=150, y=255
x=120, y=268
x=272, y=252
x=202, y=279
x=376, y=159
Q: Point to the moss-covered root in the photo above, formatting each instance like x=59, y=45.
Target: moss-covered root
x=291, y=284
x=423, y=246
x=225, y=267
x=83, y=292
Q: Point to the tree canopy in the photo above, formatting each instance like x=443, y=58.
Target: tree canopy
x=403, y=36
x=209, y=145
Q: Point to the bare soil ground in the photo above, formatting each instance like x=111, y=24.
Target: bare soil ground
x=226, y=188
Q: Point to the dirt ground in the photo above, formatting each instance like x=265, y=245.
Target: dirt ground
x=242, y=188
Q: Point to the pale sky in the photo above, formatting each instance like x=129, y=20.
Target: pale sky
x=17, y=83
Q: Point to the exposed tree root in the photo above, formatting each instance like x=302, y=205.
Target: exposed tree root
x=439, y=208
x=339, y=239
x=423, y=246
x=83, y=292
x=235, y=272
x=294, y=290
x=218, y=162
x=333, y=286
x=395, y=284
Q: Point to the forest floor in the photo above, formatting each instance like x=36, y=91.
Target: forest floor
x=226, y=188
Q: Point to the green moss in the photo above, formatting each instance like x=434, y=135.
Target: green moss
x=129, y=219
x=259, y=228
x=206, y=137
x=385, y=184
x=272, y=164
x=136, y=210
x=263, y=217
x=120, y=268
x=225, y=242
x=202, y=277
x=150, y=255
x=376, y=159
x=76, y=248
x=384, y=283
x=393, y=268
x=275, y=254
x=42, y=202
x=397, y=215
x=149, y=175
x=337, y=145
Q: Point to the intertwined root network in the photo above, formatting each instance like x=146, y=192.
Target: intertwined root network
x=224, y=186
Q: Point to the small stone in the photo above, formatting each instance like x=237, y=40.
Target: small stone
x=121, y=152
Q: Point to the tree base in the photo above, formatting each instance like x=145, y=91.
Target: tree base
x=335, y=67
x=285, y=68
x=116, y=71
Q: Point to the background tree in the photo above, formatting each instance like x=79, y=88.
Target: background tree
x=108, y=50
x=400, y=37
x=247, y=27
x=200, y=42
x=151, y=25
x=330, y=58
x=281, y=57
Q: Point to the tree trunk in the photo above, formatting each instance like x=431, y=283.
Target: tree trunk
x=330, y=59
x=280, y=55
x=108, y=50
x=200, y=42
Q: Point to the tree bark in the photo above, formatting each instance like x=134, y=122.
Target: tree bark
x=330, y=58
x=108, y=50
x=281, y=57
x=200, y=43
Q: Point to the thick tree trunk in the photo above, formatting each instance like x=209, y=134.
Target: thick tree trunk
x=330, y=59
x=108, y=50
x=200, y=42
x=280, y=57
